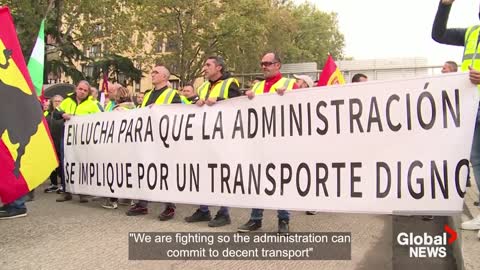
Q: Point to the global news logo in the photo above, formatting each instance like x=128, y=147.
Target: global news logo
x=426, y=245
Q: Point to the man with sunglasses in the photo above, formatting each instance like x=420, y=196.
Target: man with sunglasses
x=274, y=82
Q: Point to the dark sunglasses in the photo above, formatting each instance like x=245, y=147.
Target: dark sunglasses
x=267, y=64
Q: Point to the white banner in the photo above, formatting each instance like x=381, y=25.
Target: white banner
x=375, y=147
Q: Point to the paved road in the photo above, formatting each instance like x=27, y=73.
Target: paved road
x=71, y=235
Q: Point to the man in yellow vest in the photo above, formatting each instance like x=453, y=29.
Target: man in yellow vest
x=274, y=82
x=78, y=103
x=468, y=38
x=218, y=86
x=161, y=94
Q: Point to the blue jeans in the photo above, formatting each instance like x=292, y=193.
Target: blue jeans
x=223, y=210
x=17, y=204
x=62, y=166
x=257, y=214
x=475, y=154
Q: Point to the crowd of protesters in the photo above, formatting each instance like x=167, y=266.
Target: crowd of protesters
x=218, y=85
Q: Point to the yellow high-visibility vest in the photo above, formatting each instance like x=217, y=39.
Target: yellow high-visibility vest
x=282, y=83
x=471, y=44
x=185, y=100
x=220, y=90
x=109, y=106
x=165, y=98
x=69, y=105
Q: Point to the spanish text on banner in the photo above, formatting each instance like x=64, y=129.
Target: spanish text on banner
x=376, y=147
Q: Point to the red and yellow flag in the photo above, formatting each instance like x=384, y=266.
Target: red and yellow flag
x=27, y=154
x=330, y=74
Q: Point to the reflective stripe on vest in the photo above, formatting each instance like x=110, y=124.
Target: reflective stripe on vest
x=185, y=100
x=219, y=90
x=203, y=88
x=282, y=83
x=165, y=98
x=471, y=44
x=88, y=106
x=110, y=105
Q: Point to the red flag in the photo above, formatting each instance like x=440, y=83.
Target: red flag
x=105, y=82
x=27, y=155
x=42, y=97
x=330, y=74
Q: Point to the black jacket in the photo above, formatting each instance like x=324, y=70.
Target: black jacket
x=56, y=127
x=440, y=33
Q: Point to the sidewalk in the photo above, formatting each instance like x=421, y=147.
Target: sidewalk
x=75, y=236
x=71, y=235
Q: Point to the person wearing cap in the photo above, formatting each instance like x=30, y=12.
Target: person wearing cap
x=303, y=81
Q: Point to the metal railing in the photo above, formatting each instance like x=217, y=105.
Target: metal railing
x=245, y=79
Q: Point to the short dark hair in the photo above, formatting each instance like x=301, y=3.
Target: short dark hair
x=356, y=77
x=219, y=61
x=189, y=84
x=453, y=64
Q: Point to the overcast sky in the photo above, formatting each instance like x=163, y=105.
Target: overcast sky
x=397, y=28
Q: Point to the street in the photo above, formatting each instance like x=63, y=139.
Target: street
x=71, y=235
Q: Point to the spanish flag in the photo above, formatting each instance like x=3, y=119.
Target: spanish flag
x=330, y=74
x=27, y=154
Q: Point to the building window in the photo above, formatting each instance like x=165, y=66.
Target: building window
x=88, y=70
x=54, y=77
x=158, y=47
x=98, y=29
x=95, y=51
x=171, y=45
